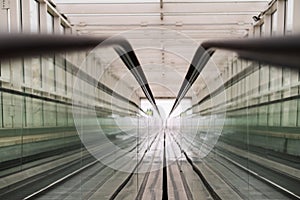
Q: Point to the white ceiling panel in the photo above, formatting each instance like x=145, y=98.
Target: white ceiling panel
x=191, y=21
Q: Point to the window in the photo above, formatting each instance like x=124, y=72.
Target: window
x=274, y=19
x=50, y=23
x=62, y=29
x=262, y=30
x=36, y=72
x=288, y=21
x=19, y=15
x=51, y=73
x=34, y=16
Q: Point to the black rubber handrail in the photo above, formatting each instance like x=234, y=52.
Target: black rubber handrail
x=20, y=45
x=279, y=51
x=199, y=61
x=283, y=51
x=129, y=58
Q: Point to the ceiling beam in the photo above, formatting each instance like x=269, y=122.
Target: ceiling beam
x=155, y=20
x=220, y=26
x=148, y=8
x=194, y=35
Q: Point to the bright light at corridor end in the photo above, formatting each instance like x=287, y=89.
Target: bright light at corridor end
x=165, y=106
x=122, y=122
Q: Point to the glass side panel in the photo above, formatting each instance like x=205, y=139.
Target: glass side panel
x=66, y=112
x=251, y=143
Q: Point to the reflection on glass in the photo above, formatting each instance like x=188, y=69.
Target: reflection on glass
x=262, y=30
x=34, y=16
x=260, y=133
x=19, y=15
x=62, y=29
x=50, y=23
x=50, y=75
x=274, y=20
x=36, y=72
x=34, y=127
x=288, y=16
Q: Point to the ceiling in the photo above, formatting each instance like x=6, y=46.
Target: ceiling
x=164, y=53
